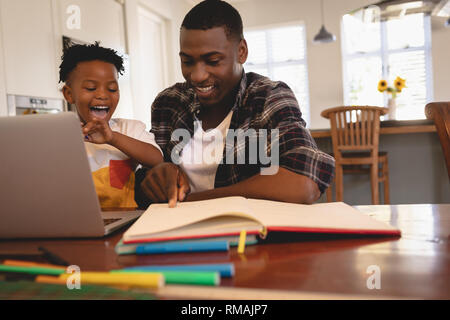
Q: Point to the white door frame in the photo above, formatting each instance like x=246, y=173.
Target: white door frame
x=3, y=100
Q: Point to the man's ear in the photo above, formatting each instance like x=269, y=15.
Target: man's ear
x=68, y=95
x=242, y=51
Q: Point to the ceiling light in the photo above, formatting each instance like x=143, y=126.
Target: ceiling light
x=323, y=36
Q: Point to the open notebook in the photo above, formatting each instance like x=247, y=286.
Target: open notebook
x=228, y=216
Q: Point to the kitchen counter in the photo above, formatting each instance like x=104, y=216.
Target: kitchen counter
x=417, y=171
x=390, y=127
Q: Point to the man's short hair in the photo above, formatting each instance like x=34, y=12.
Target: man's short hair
x=215, y=13
x=79, y=53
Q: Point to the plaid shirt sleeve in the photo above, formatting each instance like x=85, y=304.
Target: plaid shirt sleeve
x=297, y=149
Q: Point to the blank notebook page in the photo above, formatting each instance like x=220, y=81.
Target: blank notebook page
x=333, y=215
x=159, y=217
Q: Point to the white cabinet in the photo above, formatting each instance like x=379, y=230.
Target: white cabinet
x=29, y=53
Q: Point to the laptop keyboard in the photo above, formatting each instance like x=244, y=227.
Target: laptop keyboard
x=109, y=221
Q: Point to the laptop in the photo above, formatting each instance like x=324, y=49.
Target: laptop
x=46, y=186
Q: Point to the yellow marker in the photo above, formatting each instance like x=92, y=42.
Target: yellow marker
x=148, y=280
x=242, y=238
x=263, y=233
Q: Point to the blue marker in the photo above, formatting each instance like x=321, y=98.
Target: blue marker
x=225, y=269
x=187, y=246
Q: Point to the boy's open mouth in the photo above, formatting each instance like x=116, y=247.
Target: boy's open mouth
x=99, y=111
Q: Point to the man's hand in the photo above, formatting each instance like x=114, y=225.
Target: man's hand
x=166, y=182
x=98, y=131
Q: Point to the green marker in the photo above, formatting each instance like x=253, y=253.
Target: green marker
x=32, y=270
x=206, y=278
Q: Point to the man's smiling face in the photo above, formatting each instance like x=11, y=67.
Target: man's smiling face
x=92, y=86
x=211, y=63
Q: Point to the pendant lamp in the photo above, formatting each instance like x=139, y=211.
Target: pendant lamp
x=323, y=36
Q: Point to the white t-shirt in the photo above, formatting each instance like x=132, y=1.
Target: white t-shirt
x=203, y=154
x=112, y=170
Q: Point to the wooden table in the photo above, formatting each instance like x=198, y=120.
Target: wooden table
x=417, y=265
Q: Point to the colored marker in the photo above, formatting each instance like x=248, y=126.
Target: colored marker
x=152, y=280
x=187, y=246
x=241, y=246
x=224, y=269
x=32, y=270
x=180, y=277
x=20, y=263
x=122, y=248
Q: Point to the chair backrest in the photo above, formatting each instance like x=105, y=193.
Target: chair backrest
x=355, y=128
x=440, y=113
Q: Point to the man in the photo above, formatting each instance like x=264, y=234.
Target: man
x=218, y=95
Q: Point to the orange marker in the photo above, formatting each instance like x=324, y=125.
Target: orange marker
x=19, y=263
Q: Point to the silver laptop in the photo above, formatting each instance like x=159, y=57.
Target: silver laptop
x=46, y=186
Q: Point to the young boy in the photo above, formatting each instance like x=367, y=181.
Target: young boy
x=114, y=146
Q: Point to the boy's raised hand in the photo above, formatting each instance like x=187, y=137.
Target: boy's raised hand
x=97, y=131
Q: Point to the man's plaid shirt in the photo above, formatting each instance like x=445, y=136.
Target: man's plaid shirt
x=260, y=104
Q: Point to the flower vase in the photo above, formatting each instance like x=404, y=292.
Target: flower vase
x=392, y=106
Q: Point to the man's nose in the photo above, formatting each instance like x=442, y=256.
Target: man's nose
x=199, y=73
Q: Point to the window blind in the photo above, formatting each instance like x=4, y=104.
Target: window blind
x=280, y=54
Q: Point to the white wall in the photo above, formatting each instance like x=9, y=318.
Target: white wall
x=31, y=43
x=171, y=14
x=3, y=105
x=325, y=60
x=100, y=20
x=105, y=20
x=174, y=11
x=441, y=59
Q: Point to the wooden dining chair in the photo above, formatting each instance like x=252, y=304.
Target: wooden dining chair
x=355, y=132
x=440, y=113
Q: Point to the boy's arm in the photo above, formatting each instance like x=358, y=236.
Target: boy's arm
x=98, y=131
x=143, y=152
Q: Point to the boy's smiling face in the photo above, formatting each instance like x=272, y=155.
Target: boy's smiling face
x=93, y=87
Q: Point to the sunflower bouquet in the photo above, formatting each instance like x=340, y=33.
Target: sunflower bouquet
x=399, y=84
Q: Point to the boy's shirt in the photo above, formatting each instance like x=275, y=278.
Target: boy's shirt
x=112, y=170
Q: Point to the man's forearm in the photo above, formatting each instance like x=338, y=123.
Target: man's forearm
x=285, y=186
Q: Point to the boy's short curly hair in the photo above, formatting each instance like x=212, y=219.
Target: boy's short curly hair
x=215, y=13
x=88, y=52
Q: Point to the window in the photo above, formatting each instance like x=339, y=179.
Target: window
x=280, y=54
x=385, y=50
